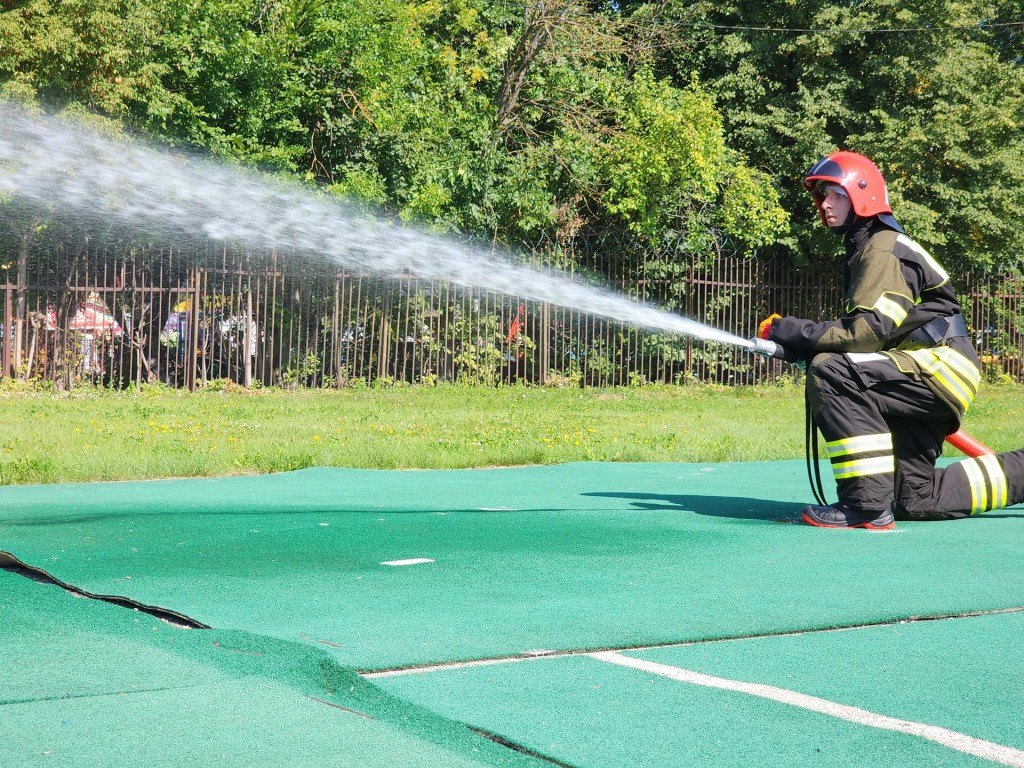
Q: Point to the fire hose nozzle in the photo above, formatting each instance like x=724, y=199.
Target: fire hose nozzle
x=766, y=348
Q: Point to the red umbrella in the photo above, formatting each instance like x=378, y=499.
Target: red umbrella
x=92, y=316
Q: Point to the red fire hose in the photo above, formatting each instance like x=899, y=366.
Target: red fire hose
x=967, y=444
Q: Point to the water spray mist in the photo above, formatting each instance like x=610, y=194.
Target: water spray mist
x=47, y=162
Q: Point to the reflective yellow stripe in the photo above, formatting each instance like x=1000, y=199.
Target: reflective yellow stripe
x=891, y=309
x=976, y=480
x=953, y=371
x=955, y=387
x=962, y=366
x=997, y=478
x=859, y=444
x=929, y=259
x=876, y=465
x=986, y=494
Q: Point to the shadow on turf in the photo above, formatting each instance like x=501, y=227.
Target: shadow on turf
x=738, y=507
x=741, y=508
x=140, y=513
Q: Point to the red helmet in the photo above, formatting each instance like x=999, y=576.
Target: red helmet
x=859, y=178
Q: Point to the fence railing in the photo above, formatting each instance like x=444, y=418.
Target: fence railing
x=128, y=318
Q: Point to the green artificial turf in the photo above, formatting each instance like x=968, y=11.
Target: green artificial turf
x=890, y=670
x=86, y=683
x=582, y=556
x=584, y=712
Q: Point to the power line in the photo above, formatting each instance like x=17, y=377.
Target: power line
x=979, y=26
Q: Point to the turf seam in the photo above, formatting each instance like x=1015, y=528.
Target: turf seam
x=519, y=747
x=98, y=694
x=11, y=564
x=343, y=709
x=414, y=669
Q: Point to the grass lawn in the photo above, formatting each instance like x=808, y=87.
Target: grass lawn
x=103, y=435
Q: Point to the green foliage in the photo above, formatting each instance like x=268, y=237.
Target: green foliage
x=938, y=107
x=306, y=371
x=751, y=211
x=671, y=176
x=670, y=150
x=568, y=128
x=82, y=52
x=959, y=159
x=397, y=104
x=478, y=347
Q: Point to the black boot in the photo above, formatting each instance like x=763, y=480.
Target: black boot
x=839, y=515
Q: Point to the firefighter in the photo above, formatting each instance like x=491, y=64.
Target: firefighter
x=894, y=375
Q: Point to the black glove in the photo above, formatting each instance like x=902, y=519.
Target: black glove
x=774, y=349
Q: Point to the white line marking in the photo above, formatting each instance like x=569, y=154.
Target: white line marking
x=411, y=561
x=445, y=667
x=952, y=739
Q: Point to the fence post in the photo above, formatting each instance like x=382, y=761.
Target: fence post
x=192, y=356
x=545, y=343
x=249, y=339
x=8, y=298
x=24, y=248
x=384, y=340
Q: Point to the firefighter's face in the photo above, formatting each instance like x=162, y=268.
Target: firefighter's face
x=835, y=206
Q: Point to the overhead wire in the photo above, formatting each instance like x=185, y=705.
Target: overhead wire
x=979, y=26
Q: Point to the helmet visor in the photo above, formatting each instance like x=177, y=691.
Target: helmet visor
x=826, y=168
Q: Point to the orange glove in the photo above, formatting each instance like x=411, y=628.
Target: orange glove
x=765, y=328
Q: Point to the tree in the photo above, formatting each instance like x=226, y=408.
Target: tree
x=86, y=53
x=545, y=126
x=930, y=92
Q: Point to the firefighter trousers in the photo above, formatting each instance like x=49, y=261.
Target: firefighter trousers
x=884, y=431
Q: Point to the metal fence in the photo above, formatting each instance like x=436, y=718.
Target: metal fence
x=125, y=315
